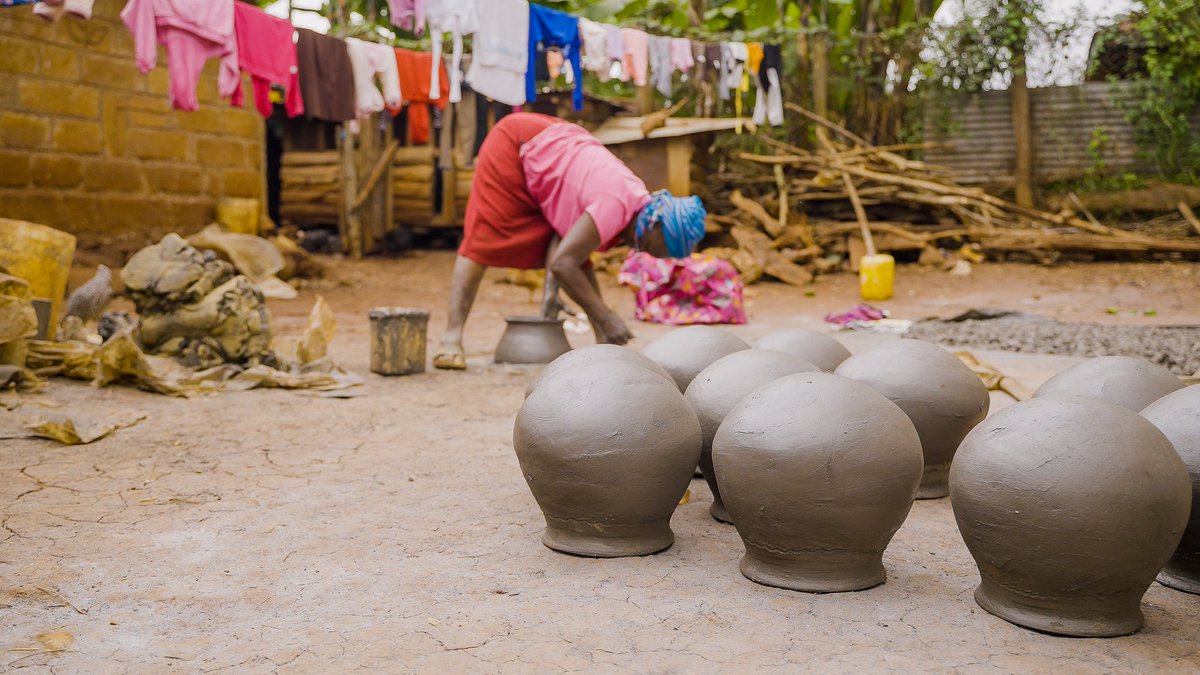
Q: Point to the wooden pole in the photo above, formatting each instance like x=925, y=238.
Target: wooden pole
x=820, y=64
x=1022, y=132
x=860, y=213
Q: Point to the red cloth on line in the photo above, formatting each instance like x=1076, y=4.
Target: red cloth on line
x=504, y=225
x=416, y=69
x=266, y=50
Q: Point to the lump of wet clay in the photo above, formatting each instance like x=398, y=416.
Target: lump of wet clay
x=608, y=449
x=720, y=386
x=592, y=354
x=818, y=472
x=1070, y=507
x=816, y=348
x=1123, y=380
x=1177, y=415
x=684, y=352
x=944, y=399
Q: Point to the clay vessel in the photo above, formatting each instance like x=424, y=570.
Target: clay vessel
x=608, y=450
x=720, y=386
x=532, y=339
x=817, y=348
x=1177, y=415
x=593, y=353
x=944, y=399
x=1070, y=507
x=818, y=472
x=684, y=352
x=1123, y=380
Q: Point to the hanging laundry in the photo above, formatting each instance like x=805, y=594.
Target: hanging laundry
x=614, y=39
x=594, y=37
x=415, y=68
x=267, y=51
x=554, y=63
x=552, y=28
x=16, y=3
x=407, y=14
x=661, y=69
x=768, y=106
x=733, y=64
x=326, y=77
x=682, y=58
x=459, y=18
x=754, y=56
x=53, y=11
x=367, y=60
x=193, y=31
x=637, y=55
x=501, y=51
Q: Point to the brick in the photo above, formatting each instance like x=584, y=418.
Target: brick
x=77, y=136
x=220, y=152
x=56, y=170
x=136, y=211
x=151, y=103
x=115, y=73
x=246, y=123
x=205, y=120
x=113, y=175
x=156, y=144
x=60, y=63
x=175, y=178
x=154, y=120
x=20, y=56
x=81, y=211
x=14, y=168
x=191, y=214
x=59, y=98
x=36, y=206
x=241, y=183
x=23, y=131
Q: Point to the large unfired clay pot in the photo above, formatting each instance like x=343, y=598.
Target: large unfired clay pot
x=944, y=399
x=817, y=348
x=1123, y=380
x=684, y=352
x=608, y=450
x=1177, y=415
x=1070, y=507
x=720, y=386
x=593, y=353
x=818, y=472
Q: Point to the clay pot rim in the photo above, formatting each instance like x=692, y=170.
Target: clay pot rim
x=533, y=320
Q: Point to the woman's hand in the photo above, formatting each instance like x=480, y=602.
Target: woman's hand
x=613, y=330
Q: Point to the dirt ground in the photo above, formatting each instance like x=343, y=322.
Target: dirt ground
x=274, y=531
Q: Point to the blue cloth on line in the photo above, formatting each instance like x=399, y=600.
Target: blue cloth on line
x=681, y=219
x=552, y=28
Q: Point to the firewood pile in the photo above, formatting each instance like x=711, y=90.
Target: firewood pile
x=796, y=213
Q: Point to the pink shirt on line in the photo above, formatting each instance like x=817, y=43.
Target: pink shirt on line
x=568, y=173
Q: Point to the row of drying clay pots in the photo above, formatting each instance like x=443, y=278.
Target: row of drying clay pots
x=820, y=470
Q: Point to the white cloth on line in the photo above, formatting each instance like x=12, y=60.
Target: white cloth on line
x=501, y=51
x=459, y=18
x=595, y=48
x=768, y=105
x=53, y=10
x=661, y=69
x=366, y=60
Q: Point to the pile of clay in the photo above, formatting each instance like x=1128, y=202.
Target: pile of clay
x=1071, y=503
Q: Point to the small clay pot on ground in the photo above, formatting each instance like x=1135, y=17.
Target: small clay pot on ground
x=1123, y=380
x=1177, y=415
x=818, y=472
x=1070, y=507
x=608, y=449
x=684, y=352
x=720, y=386
x=942, y=397
x=818, y=349
x=591, y=354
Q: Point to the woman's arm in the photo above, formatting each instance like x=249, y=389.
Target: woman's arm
x=566, y=264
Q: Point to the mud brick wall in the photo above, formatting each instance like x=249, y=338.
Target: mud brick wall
x=90, y=145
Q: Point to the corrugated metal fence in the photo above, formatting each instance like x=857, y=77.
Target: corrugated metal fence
x=1066, y=121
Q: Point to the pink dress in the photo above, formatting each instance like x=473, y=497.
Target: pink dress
x=568, y=173
x=699, y=289
x=193, y=31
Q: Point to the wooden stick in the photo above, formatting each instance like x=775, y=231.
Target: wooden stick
x=781, y=184
x=832, y=126
x=1079, y=203
x=757, y=212
x=1189, y=216
x=860, y=213
x=376, y=173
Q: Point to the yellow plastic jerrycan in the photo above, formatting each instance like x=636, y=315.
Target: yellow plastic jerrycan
x=877, y=276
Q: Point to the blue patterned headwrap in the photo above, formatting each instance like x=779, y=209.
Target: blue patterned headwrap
x=681, y=218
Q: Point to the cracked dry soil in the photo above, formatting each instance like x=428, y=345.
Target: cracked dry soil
x=276, y=532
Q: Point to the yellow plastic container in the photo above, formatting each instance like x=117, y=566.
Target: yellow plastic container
x=877, y=276
x=238, y=215
x=40, y=255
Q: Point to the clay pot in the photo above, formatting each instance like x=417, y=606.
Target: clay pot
x=818, y=472
x=1177, y=415
x=816, y=348
x=684, y=352
x=1070, y=507
x=532, y=339
x=1123, y=380
x=720, y=386
x=608, y=450
x=941, y=396
x=591, y=354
